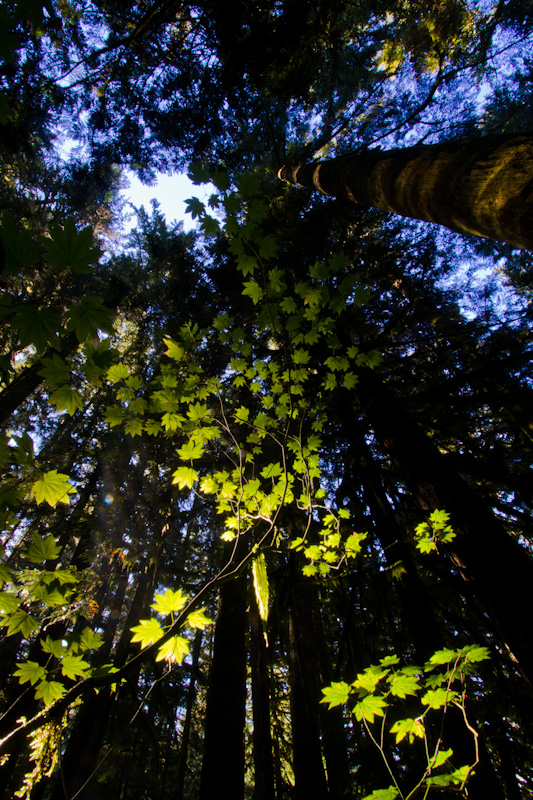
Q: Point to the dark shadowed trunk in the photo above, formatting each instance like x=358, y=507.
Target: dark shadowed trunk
x=484, y=554
x=262, y=737
x=309, y=774
x=223, y=761
x=479, y=186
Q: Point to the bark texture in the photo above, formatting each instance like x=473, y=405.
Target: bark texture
x=479, y=186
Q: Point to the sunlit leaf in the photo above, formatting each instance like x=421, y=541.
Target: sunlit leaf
x=72, y=666
x=408, y=727
x=174, y=650
x=197, y=619
x=53, y=488
x=336, y=694
x=169, y=602
x=147, y=632
x=29, y=671
x=48, y=691
x=369, y=707
x=185, y=477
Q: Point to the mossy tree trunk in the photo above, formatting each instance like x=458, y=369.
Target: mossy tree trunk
x=479, y=186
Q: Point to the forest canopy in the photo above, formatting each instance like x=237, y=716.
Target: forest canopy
x=265, y=485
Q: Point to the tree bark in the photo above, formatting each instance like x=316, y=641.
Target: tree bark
x=224, y=756
x=479, y=186
x=264, y=788
x=309, y=775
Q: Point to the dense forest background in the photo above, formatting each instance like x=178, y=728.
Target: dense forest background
x=266, y=485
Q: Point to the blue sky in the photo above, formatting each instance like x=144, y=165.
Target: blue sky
x=171, y=191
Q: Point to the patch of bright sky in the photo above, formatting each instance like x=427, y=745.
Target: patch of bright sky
x=171, y=193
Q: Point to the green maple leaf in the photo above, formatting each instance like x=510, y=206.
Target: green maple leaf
x=53, y=488
x=68, y=247
x=209, y=225
x=194, y=207
x=147, y=632
x=49, y=691
x=54, y=370
x=66, y=399
x=369, y=707
x=171, y=421
x=353, y=544
x=198, y=173
x=174, y=650
x=369, y=678
x=53, y=646
x=401, y=685
x=185, y=477
x=242, y=414
x=408, y=727
x=436, y=698
x=383, y=794
x=30, y=671
x=191, y=451
x=117, y=372
x=272, y=471
x=330, y=382
x=197, y=411
x=42, y=549
x=134, y=427
x=152, y=427
x=253, y=290
x=72, y=666
x=20, y=622
x=51, y=594
x=441, y=757
x=288, y=305
x=445, y=656
x=89, y=640
x=113, y=416
x=197, y=619
x=350, y=380
x=208, y=485
x=246, y=264
x=37, y=327
x=88, y=317
x=169, y=602
x=474, y=652
x=336, y=694
x=301, y=356
x=174, y=350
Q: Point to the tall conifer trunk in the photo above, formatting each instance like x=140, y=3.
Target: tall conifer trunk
x=223, y=760
x=480, y=186
x=309, y=775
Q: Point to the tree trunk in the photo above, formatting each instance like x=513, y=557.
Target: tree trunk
x=179, y=787
x=309, y=775
x=262, y=737
x=479, y=186
x=499, y=570
x=223, y=761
